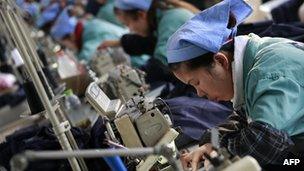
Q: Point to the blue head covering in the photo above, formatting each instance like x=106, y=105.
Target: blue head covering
x=64, y=25
x=31, y=8
x=207, y=31
x=133, y=4
x=48, y=14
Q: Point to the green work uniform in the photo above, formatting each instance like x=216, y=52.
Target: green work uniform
x=274, y=82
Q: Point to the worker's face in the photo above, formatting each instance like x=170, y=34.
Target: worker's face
x=213, y=82
x=137, y=24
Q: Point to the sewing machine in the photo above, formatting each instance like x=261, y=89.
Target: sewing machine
x=116, y=77
x=137, y=123
x=124, y=82
x=105, y=60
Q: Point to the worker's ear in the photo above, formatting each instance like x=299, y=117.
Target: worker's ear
x=222, y=59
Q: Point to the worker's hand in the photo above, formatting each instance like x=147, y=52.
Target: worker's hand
x=109, y=43
x=192, y=159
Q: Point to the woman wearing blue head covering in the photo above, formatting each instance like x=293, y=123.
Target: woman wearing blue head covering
x=262, y=76
x=83, y=36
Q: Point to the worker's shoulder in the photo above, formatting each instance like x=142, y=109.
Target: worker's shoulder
x=176, y=15
x=283, y=58
x=100, y=26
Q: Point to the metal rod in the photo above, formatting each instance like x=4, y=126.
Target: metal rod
x=33, y=54
x=7, y=13
x=19, y=162
x=89, y=153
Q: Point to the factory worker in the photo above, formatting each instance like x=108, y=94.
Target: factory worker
x=262, y=76
x=48, y=15
x=151, y=24
x=83, y=36
x=31, y=9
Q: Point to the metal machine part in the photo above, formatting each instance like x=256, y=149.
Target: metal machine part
x=152, y=126
x=100, y=101
x=104, y=61
x=138, y=123
x=14, y=26
x=125, y=82
x=222, y=160
x=19, y=162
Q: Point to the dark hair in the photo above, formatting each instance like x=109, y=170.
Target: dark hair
x=205, y=60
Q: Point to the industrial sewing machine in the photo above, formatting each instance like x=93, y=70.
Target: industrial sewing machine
x=116, y=77
x=105, y=60
x=124, y=82
x=136, y=123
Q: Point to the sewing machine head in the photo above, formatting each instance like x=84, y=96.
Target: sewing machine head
x=124, y=82
x=103, y=61
x=138, y=122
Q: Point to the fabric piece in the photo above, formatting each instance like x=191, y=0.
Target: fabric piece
x=195, y=115
x=286, y=12
x=237, y=71
x=38, y=138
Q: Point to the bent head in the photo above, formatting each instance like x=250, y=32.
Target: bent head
x=210, y=74
x=136, y=20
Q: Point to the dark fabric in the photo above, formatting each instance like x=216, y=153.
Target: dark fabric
x=97, y=141
x=260, y=140
x=6, y=68
x=294, y=30
x=93, y=7
x=12, y=99
x=32, y=96
x=38, y=138
x=255, y=28
x=285, y=30
x=156, y=72
x=195, y=115
x=3, y=42
x=199, y=4
x=287, y=12
x=78, y=33
x=134, y=44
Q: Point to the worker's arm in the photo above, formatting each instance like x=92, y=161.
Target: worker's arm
x=132, y=44
x=273, y=104
x=260, y=140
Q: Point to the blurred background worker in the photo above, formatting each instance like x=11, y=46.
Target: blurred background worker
x=151, y=24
